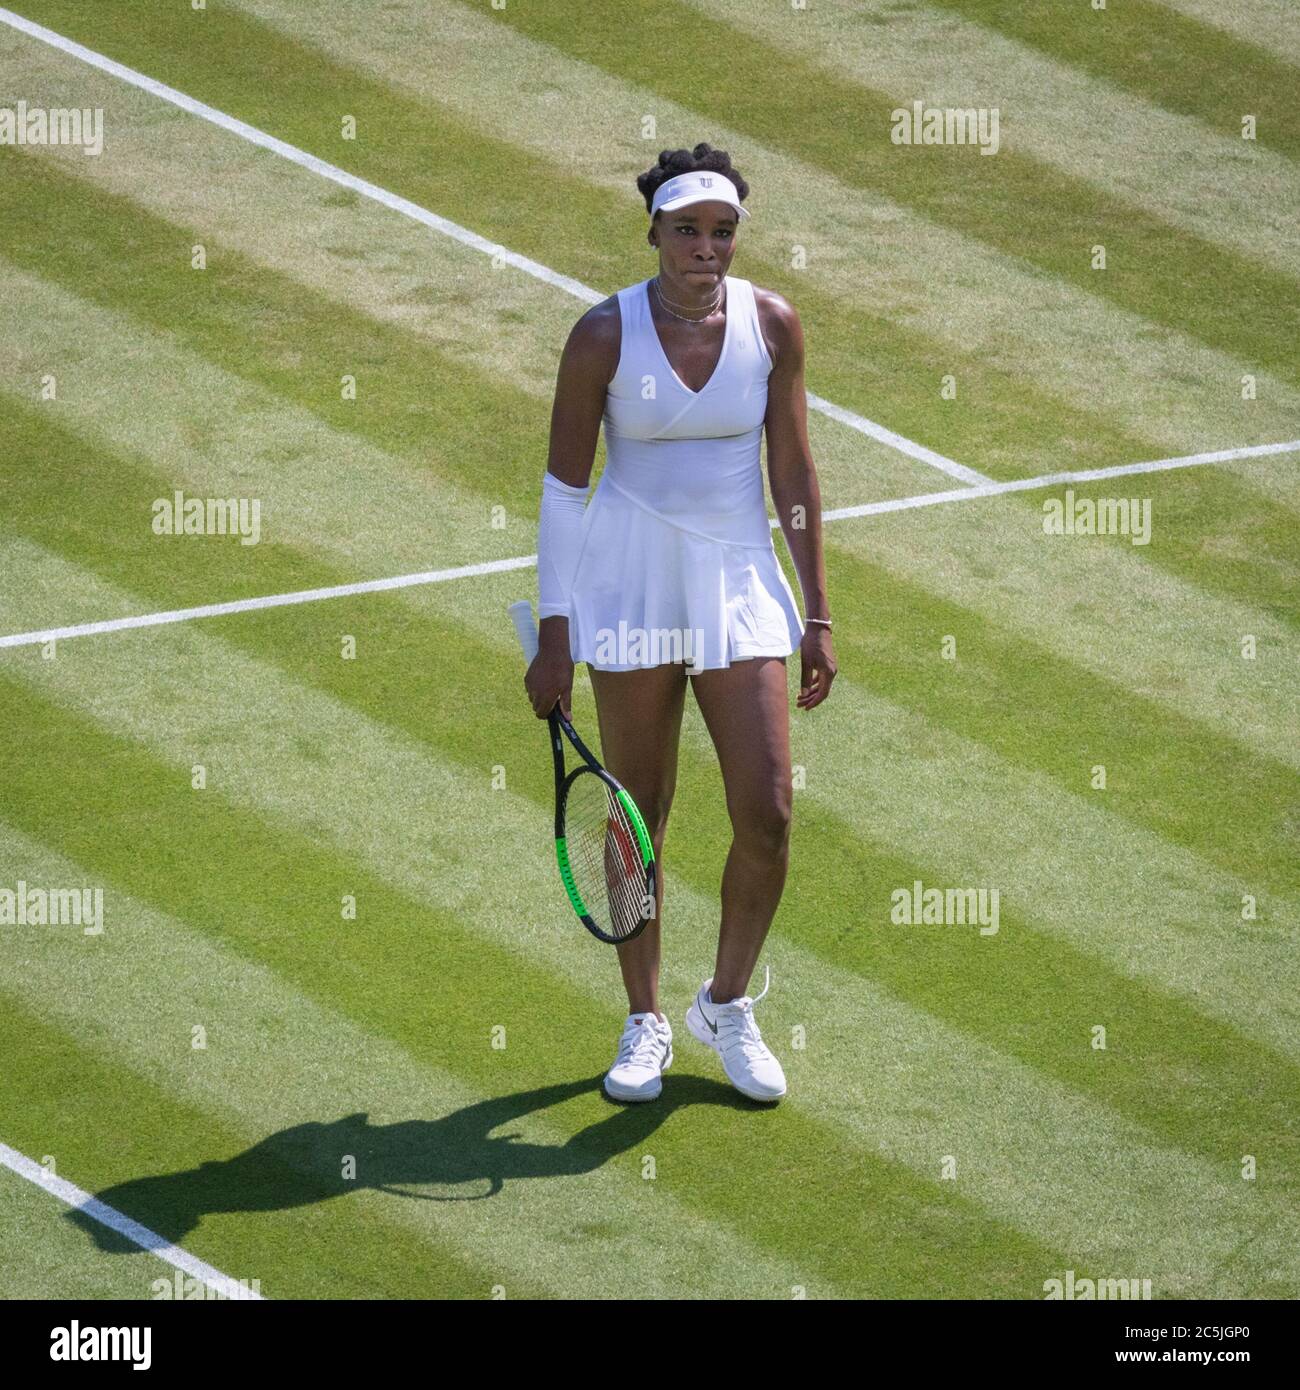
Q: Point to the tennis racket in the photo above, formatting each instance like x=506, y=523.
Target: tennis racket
x=607, y=863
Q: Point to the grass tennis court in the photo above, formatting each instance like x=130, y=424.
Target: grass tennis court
x=340, y=1034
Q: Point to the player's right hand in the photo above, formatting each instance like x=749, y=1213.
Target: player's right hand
x=550, y=678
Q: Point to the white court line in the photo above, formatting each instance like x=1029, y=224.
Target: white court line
x=898, y=441
x=403, y=581
x=429, y=219
x=1086, y=475
x=123, y=1225
x=248, y=605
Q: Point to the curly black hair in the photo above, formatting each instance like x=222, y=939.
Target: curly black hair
x=674, y=162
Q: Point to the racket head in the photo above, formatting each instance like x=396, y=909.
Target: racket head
x=605, y=855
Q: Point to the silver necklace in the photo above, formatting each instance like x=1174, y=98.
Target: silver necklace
x=713, y=309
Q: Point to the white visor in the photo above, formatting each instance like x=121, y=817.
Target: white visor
x=699, y=186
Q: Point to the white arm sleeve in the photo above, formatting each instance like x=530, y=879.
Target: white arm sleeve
x=559, y=537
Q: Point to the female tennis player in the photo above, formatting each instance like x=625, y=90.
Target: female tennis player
x=670, y=574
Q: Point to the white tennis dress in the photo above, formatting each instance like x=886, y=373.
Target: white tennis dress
x=676, y=535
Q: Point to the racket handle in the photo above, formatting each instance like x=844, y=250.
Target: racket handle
x=521, y=614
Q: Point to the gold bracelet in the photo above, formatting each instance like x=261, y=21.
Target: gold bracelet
x=826, y=622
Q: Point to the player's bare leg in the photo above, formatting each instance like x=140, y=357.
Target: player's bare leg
x=640, y=716
x=746, y=709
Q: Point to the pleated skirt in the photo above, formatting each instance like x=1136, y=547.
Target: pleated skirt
x=647, y=591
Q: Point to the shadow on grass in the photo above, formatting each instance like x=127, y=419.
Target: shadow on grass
x=456, y=1158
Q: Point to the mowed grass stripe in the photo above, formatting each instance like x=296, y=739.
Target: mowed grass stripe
x=1077, y=122
x=362, y=510
x=1039, y=1000
x=1097, y=917
x=1062, y=340
x=1063, y=719
x=822, y=989
x=1270, y=24
x=239, y=196
x=1176, y=61
x=267, y=331
x=1226, y=529
x=1281, y=486
x=1012, y=201
x=110, y=517
x=866, y=361
x=1096, y=604
x=425, y=977
x=1138, y=905
x=144, y=1127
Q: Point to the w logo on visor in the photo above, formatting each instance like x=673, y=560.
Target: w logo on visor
x=706, y=183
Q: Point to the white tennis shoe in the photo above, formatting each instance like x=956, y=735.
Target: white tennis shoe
x=645, y=1052
x=730, y=1030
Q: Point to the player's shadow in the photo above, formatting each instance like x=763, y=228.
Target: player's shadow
x=456, y=1158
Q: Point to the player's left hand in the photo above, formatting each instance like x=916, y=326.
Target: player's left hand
x=817, y=660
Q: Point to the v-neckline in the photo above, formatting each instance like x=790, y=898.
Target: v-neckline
x=722, y=356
